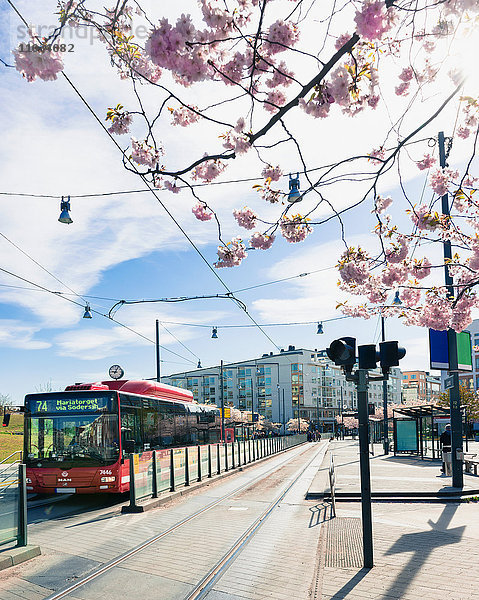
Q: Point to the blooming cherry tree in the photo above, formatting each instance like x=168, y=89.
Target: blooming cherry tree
x=266, y=72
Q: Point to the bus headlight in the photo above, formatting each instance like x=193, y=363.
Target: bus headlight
x=107, y=479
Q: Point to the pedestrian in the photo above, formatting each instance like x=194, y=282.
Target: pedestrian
x=445, y=442
x=318, y=436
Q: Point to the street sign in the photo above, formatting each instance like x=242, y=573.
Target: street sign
x=449, y=383
x=439, y=351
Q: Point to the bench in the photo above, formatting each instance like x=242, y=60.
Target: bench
x=470, y=463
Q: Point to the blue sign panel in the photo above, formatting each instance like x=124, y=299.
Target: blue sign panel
x=438, y=350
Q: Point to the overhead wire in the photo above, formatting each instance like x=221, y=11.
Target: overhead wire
x=92, y=310
x=41, y=266
x=152, y=190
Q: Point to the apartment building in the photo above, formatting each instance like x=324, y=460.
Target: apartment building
x=279, y=385
x=420, y=387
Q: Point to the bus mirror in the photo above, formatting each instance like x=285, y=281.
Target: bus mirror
x=129, y=446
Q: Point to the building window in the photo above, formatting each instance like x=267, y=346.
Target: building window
x=413, y=376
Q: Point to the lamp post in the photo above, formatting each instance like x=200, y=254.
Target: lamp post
x=158, y=357
x=385, y=400
x=454, y=391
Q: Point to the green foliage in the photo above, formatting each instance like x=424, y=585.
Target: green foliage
x=469, y=399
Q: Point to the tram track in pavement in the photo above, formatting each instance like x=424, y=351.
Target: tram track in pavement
x=204, y=586
x=213, y=574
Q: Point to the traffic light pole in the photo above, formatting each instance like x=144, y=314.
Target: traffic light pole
x=361, y=380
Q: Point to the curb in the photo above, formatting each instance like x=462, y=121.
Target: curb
x=15, y=556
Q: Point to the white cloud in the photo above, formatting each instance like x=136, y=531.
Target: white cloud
x=14, y=334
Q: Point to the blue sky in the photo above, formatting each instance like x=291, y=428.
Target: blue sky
x=125, y=247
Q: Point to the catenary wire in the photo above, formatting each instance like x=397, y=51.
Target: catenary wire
x=152, y=190
x=41, y=266
x=93, y=310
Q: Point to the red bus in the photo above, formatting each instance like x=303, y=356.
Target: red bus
x=77, y=441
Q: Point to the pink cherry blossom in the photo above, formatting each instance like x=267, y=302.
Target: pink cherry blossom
x=294, y=229
x=426, y=163
x=143, y=154
x=273, y=173
x=274, y=100
x=398, y=252
x=440, y=179
x=232, y=254
x=245, y=218
x=372, y=21
x=171, y=187
x=353, y=266
x=379, y=153
x=281, y=36
x=406, y=74
x=183, y=116
x=421, y=268
x=281, y=76
x=402, y=89
x=44, y=64
x=261, y=241
x=382, y=204
x=201, y=213
x=410, y=296
x=342, y=39
x=120, y=121
x=209, y=170
x=422, y=218
x=463, y=132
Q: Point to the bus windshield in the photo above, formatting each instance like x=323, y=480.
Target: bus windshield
x=72, y=440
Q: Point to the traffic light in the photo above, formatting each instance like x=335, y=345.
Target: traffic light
x=390, y=354
x=6, y=419
x=343, y=352
x=368, y=356
x=371, y=408
x=255, y=417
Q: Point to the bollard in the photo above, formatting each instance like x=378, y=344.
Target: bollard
x=244, y=452
x=239, y=453
x=155, y=475
x=199, y=463
x=226, y=457
x=187, y=467
x=218, y=459
x=22, y=505
x=210, y=474
x=233, y=455
x=132, y=482
x=172, y=471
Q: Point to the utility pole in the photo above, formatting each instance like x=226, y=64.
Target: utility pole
x=454, y=391
x=284, y=417
x=385, y=398
x=158, y=357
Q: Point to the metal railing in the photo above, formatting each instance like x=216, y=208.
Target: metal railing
x=13, y=500
x=332, y=484
x=158, y=471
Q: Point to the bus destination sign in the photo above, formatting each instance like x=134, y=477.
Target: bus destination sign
x=66, y=405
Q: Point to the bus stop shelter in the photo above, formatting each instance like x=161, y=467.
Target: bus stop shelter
x=416, y=430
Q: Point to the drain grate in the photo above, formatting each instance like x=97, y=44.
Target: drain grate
x=343, y=542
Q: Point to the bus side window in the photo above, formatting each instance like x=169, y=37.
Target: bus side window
x=131, y=427
x=167, y=427
x=151, y=426
x=181, y=425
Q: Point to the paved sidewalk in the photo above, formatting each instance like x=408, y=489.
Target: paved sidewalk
x=390, y=475
x=422, y=550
